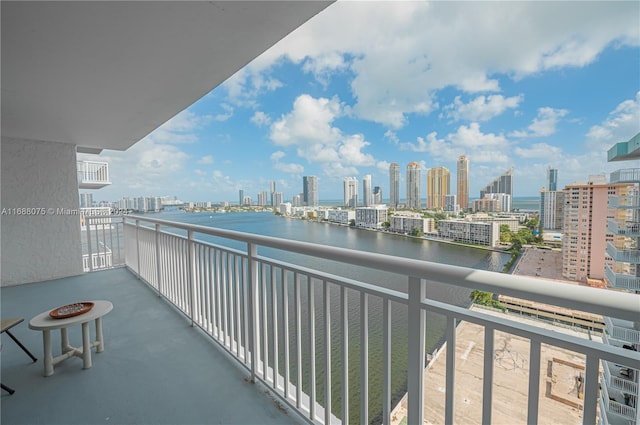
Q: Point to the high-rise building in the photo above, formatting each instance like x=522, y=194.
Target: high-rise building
x=451, y=204
x=377, y=195
x=552, y=179
x=262, y=198
x=394, y=185
x=551, y=209
x=272, y=191
x=438, y=186
x=240, y=197
x=585, y=234
x=463, y=182
x=413, y=185
x=621, y=384
x=310, y=191
x=366, y=191
x=350, y=192
x=504, y=200
x=277, y=199
x=502, y=184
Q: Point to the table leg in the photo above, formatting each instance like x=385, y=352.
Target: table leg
x=48, y=355
x=99, y=338
x=64, y=340
x=86, y=346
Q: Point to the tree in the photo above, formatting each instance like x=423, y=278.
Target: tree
x=417, y=232
x=352, y=222
x=386, y=225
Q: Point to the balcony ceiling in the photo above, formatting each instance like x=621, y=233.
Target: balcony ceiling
x=103, y=75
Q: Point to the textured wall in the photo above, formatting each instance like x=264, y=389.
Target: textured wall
x=40, y=246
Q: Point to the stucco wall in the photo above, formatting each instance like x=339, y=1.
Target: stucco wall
x=38, y=247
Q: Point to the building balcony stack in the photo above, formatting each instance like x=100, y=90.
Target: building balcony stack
x=620, y=384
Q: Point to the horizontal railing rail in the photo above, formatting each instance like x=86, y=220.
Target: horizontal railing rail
x=303, y=331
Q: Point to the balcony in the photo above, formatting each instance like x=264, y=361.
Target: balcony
x=619, y=378
x=93, y=174
x=629, y=201
x=614, y=404
x=155, y=369
x=622, y=330
x=631, y=256
x=622, y=280
x=200, y=314
x=625, y=229
x=625, y=151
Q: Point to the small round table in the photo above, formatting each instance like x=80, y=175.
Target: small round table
x=45, y=323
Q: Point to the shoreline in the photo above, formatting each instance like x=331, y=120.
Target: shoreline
x=426, y=238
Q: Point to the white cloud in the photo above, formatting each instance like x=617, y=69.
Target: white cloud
x=467, y=140
x=539, y=150
x=544, y=124
x=260, y=119
x=621, y=124
x=290, y=168
x=402, y=53
x=206, y=160
x=278, y=155
x=309, y=128
x=482, y=108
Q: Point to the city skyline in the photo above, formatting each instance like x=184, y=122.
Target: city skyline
x=554, y=93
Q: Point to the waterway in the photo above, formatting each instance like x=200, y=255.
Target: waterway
x=363, y=240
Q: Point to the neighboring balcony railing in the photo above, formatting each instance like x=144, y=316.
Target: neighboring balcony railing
x=102, y=239
x=626, y=229
x=614, y=406
x=631, y=256
x=629, y=201
x=628, y=175
x=622, y=330
x=622, y=280
x=93, y=174
x=619, y=378
x=266, y=313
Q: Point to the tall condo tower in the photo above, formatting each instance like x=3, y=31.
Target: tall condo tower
x=413, y=185
x=350, y=192
x=463, y=182
x=310, y=191
x=552, y=178
x=438, y=186
x=394, y=184
x=240, y=197
x=366, y=191
x=502, y=184
x=272, y=191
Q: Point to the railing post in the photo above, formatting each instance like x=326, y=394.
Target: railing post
x=415, y=366
x=158, y=259
x=192, y=278
x=252, y=251
x=88, y=231
x=138, y=248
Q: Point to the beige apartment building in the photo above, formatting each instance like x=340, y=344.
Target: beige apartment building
x=585, y=234
x=438, y=187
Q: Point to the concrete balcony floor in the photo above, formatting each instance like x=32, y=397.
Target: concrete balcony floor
x=156, y=368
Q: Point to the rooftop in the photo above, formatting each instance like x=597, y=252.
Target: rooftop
x=156, y=368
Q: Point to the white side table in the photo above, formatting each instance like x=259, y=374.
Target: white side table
x=45, y=323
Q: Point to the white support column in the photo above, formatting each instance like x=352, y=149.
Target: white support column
x=415, y=367
x=192, y=276
x=158, y=266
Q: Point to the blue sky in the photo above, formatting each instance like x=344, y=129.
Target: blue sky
x=363, y=84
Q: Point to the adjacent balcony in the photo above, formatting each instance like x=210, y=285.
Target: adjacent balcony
x=629, y=201
x=93, y=174
x=614, y=403
x=623, y=229
x=622, y=280
x=622, y=329
x=631, y=256
x=625, y=151
x=620, y=377
x=211, y=325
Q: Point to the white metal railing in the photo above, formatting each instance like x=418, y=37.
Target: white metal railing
x=616, y=381
x=256, y=308
x=623, y=255
x=629, y=201
x=93, y=172
x=611, y=405
x=621, y=280
x=628, y=175
x=625, y=229
x=622, y=330
x=102, y=240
